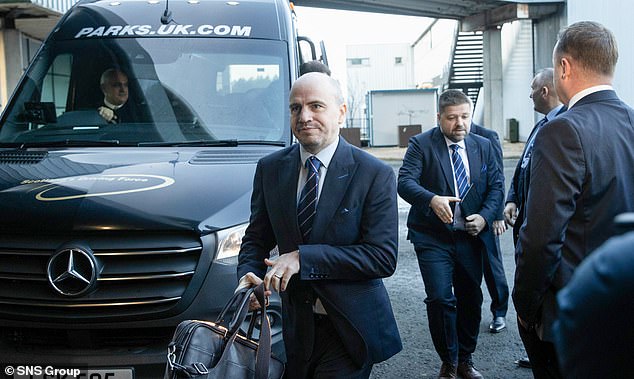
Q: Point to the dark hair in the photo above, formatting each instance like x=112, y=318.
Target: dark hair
x=591, y=44
x=452, y=97
x=313, y=66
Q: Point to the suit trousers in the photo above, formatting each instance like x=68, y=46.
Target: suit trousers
x=495, y=280
x=452, y=273
x=542, y=355
x=329, y=360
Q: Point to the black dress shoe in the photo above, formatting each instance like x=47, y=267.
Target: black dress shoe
x=523, y=362
x=447, y=371
x=497, y=324
x=467, y=371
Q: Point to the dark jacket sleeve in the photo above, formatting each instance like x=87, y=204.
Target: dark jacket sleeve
x=259, y=238
x=558, y=165
x=409, y=185
x=493, y=137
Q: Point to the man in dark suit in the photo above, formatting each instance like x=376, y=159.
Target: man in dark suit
x=114, y=85
x=438, y=167
x=545, y=101
x=337, y=317
x=493, y=265
x=581, y=178
x=594, y=334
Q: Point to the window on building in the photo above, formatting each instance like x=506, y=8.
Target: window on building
x=398, y=60
x=358, y=61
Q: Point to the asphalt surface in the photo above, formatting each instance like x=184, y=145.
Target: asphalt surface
x=495, y=354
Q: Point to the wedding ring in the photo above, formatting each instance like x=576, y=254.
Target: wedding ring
x=278, y=276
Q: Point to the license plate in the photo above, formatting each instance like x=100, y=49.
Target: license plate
x=51, y=373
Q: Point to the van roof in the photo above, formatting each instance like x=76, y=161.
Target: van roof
x=262, y=19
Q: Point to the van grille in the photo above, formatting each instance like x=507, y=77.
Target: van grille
x=139, y=276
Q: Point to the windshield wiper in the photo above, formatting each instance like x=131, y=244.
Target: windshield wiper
x=67, y=142
x=221, y=143
x=256, y=142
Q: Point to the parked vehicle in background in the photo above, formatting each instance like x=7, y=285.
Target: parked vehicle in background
x=111, y=233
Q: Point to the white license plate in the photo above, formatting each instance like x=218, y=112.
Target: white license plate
x=51, y=373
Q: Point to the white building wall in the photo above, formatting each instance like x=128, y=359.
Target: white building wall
x=517, y=61
x=617, y=18
x=382, y=71
x=375, y=67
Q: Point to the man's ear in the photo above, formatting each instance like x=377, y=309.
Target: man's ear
x=565, y=67
x=343, y=108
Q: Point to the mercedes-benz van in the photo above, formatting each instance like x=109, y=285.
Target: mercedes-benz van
x=111, y=233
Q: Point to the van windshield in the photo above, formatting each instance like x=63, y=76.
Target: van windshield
x=154, y=90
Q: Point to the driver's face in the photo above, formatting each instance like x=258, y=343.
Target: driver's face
x=115, y=88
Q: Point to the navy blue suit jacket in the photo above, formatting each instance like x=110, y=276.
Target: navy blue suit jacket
x=594, y=333
x=493, y=137
x=353, y=244
x=581, y=178
x=427, y=172
x=518, y=190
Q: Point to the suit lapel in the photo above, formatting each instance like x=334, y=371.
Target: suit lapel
x=441, y=151
x=340, y=173
x=288, y=175
x=475, y=160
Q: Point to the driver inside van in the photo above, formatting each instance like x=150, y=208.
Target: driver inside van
x=114, y=85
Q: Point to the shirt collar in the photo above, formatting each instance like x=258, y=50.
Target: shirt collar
x=583, y=93
x=553, y=112
x=450, y=142
x=112, y=106
x=324, y=156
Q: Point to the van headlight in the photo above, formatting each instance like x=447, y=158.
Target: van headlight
x=229, y=241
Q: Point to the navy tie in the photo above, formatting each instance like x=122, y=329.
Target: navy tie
x=307, y=206
x=462, y=180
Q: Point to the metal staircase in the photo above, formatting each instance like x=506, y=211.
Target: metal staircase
x=466, y=70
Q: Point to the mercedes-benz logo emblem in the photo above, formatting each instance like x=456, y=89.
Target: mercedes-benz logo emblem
x=72, y=271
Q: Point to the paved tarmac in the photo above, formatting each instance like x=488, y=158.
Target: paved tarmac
x=495, y=354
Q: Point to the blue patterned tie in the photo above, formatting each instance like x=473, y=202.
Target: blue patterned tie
x=307, y=205
x=462, y=180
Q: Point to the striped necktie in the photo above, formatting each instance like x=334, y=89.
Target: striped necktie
x=307, y=206
x=462, y=180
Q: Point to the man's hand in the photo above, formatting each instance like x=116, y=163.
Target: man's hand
x=107, y=114
x=499, y=227
x=282, y=269
x=510, y=213
x=474, y=224
x=251, y=280
x=442, y=209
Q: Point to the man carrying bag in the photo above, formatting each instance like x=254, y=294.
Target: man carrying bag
x=218, y=350
x=332, y=211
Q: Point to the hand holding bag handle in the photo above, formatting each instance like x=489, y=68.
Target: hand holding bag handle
x=263, y=350
x=215, y=350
